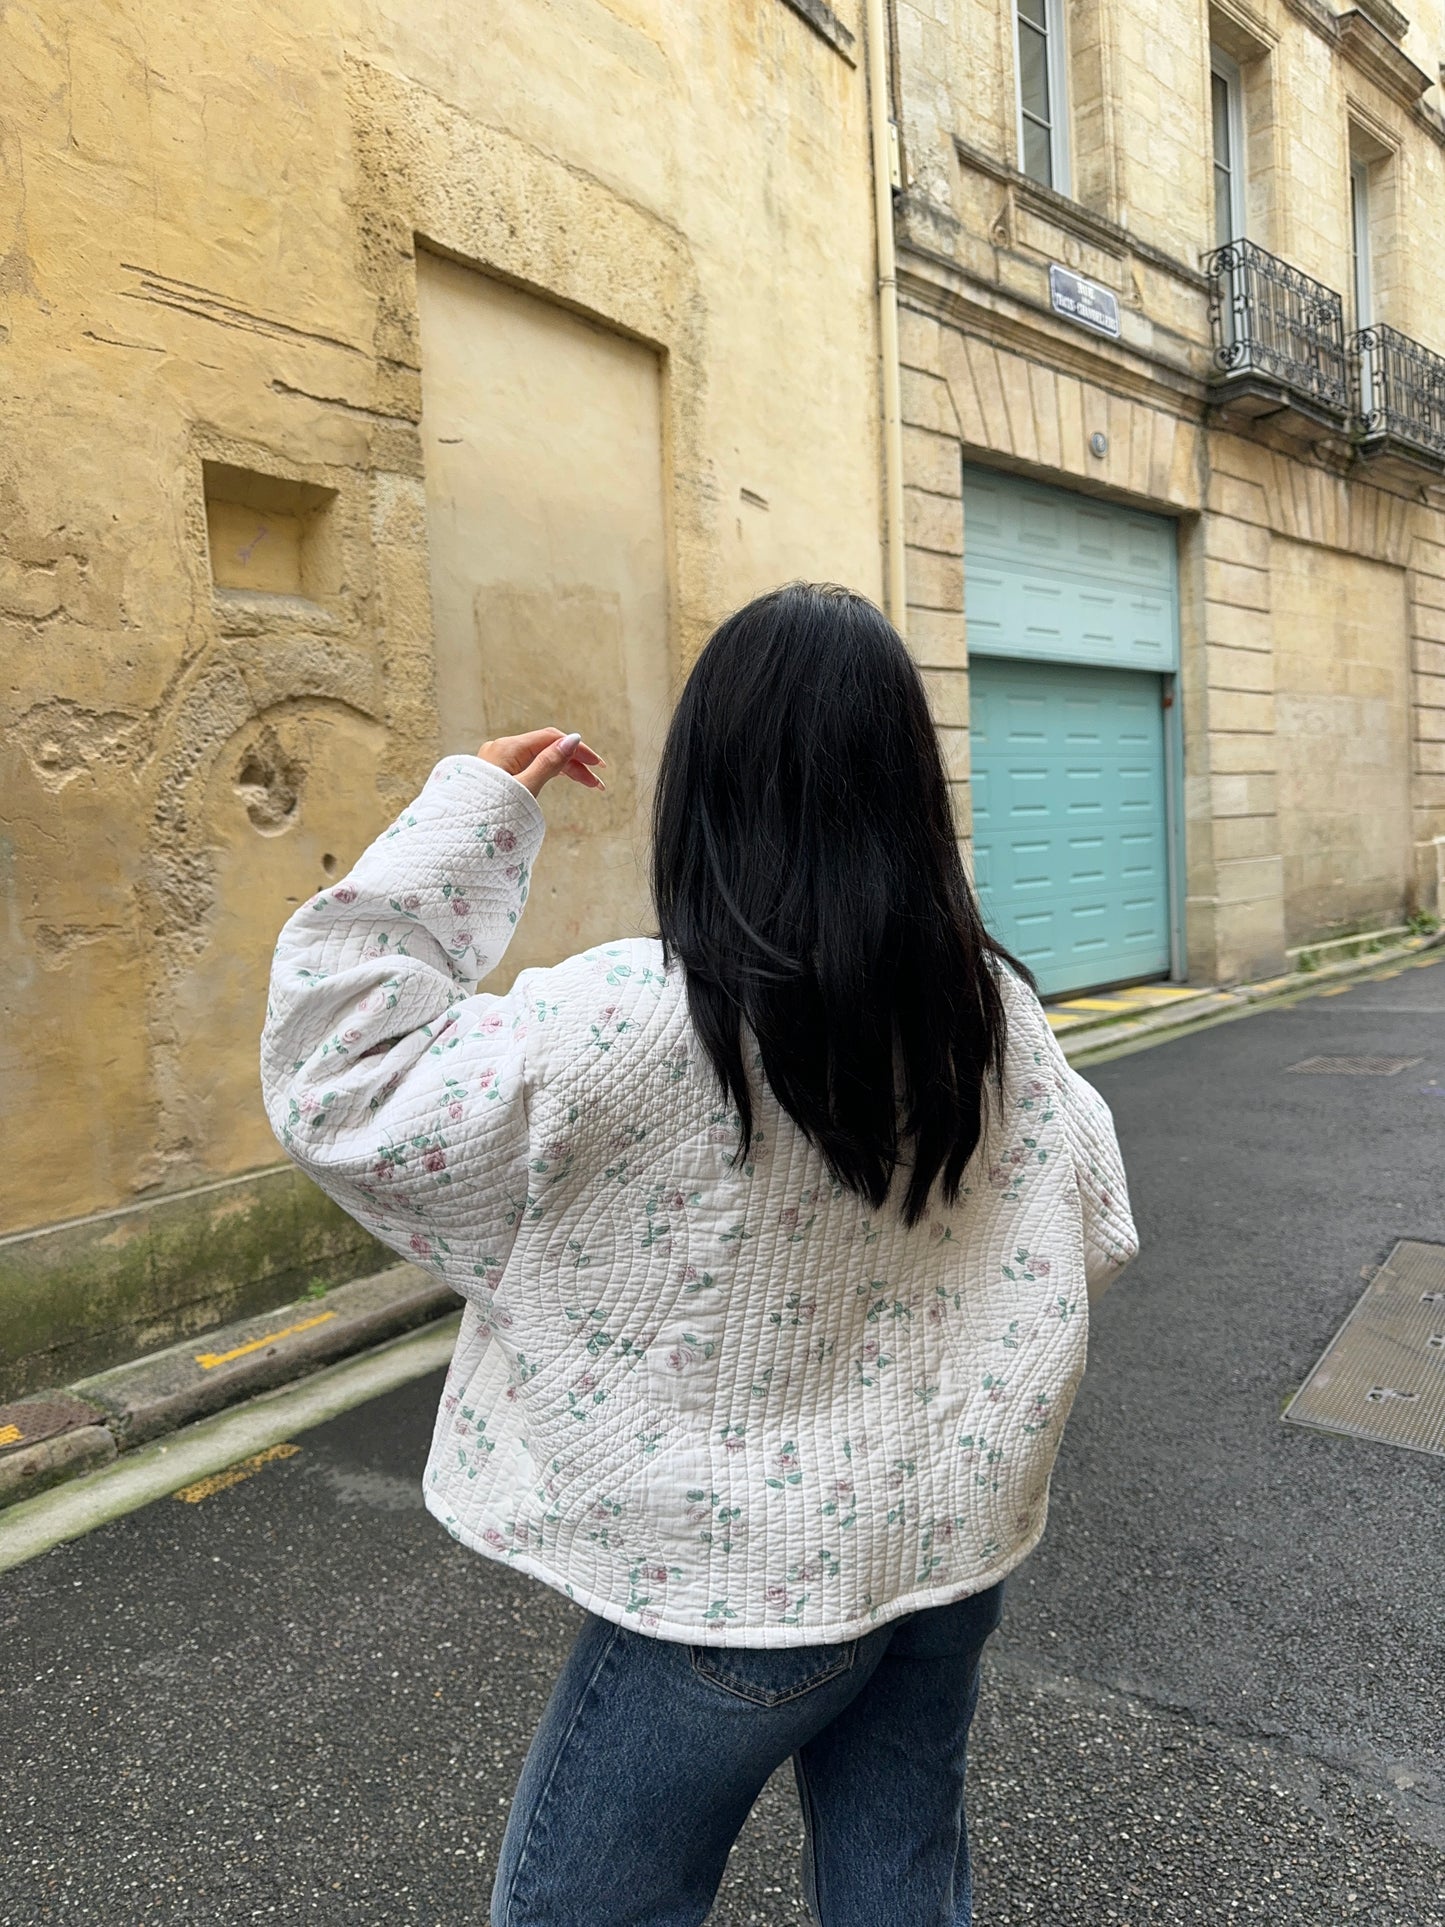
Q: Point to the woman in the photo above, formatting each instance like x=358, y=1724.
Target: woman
x=776, y=1234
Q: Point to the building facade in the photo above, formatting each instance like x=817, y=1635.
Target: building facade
x=1173, y=320
x=378, y=378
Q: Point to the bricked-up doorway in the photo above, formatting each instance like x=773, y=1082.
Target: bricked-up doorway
x=544, y=484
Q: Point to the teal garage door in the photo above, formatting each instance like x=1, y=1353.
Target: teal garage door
x=1072, y=627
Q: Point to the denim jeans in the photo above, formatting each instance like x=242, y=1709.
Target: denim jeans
x=651, y=1753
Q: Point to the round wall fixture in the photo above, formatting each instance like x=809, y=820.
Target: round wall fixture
x=1098, y=443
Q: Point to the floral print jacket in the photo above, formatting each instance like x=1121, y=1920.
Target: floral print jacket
x=725, y=1405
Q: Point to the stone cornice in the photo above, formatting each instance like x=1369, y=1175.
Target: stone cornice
x=1359, y=38
x=1076, y=218
x=934, y=285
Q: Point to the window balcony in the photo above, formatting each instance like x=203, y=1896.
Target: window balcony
x=1401, y=389
x=1279, y=341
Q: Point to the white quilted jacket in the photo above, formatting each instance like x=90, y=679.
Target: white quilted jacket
x=732, y=1407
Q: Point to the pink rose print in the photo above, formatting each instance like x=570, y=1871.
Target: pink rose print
x=460, y=908
x=586, y=1383
x=494, y=1539
x=434, y=1161
x=788, y=1220
x=420, y=1245
x=351, y=1037
x=657, y=1574
x=775, y=1598
x=491, y=1024
x=309, y=1105
x=649, y=1619
x=733, y=1445
x=343, y=894
x=505, y=841
x=511, y=873
x=411, y=903
x=454, y=1111
x=487, y=1079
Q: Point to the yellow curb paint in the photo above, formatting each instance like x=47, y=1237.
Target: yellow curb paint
x=208, y=1361
x=9, y=1434
x=154, y=1471
x=235, y=1474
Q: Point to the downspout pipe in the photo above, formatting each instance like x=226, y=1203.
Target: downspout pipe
x=895, y=578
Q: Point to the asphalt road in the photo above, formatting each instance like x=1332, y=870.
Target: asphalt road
x=1219, y=1695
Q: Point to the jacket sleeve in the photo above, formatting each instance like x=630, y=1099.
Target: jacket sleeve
x=1110, y=1238
x=393, y=1084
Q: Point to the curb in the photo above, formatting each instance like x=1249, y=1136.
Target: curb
x=1087, y=1042
x=54, y=1436
x=214, y=1444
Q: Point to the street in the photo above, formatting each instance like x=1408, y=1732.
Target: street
x=1219, y=1692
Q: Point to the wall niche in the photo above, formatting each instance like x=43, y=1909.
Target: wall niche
x=270, y=537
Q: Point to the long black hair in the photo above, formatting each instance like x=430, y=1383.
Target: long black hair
x=807, y=877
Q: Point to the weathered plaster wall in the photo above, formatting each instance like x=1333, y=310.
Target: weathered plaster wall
x=208, y=230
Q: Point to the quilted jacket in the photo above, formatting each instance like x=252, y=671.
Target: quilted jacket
x=729, y=1406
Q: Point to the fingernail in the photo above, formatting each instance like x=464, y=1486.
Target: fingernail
x=568, y=744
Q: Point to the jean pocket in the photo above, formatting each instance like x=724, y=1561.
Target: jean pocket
x=766, y=1676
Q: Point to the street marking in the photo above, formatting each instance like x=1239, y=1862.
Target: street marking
x=209, y=1360
x=235, y=1474
x=9, y=1434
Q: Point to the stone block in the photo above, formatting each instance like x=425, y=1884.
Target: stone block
x=938, y=638
x=1245, y=795
x=954, y=744
x=1248, y=754
x=933, y=521
x=935, y=581
x=37, y=1467
x=1235, y=585
x=1239, y=628
x=1235, y=711
x=1232, y=496
x=1229, y=668
x=932, y=461
x=947, y=697
x=1240, y=838
x=1227, y=539
x=927, y=403
x=1254, y=879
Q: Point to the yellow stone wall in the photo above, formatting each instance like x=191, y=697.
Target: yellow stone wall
x=215, y=607
x=991, y=375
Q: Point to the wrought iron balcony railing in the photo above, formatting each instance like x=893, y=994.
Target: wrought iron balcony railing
x=1275, y=324
x=1401, y=390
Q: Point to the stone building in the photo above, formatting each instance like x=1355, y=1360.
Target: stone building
x=378, y=377
x=1173, y=318
x=382, y=377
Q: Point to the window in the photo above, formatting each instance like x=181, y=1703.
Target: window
x=1360, y=278
x=1227, y=101
x=1043, y=141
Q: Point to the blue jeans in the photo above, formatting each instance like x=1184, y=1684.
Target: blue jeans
x=650, y=1755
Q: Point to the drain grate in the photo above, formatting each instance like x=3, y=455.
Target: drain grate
x=1382, y=1375
x=1354, y=1066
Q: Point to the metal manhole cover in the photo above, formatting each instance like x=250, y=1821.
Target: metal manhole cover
x=1354, y=1066
x=1382, y=1375
x=30, y=1420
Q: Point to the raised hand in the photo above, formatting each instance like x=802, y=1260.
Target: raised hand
x=539, y=755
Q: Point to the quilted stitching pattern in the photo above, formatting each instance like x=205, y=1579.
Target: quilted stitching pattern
x=727, y=1406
